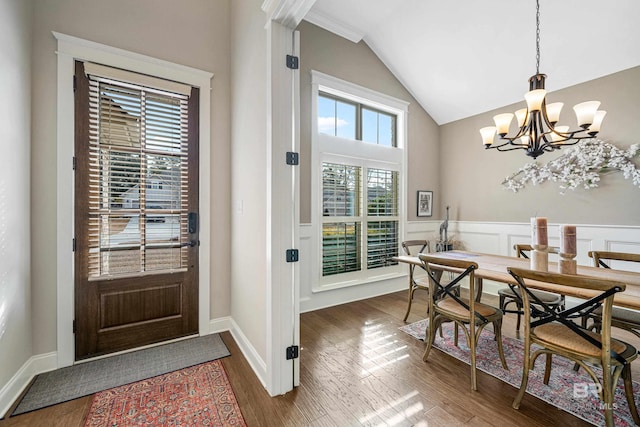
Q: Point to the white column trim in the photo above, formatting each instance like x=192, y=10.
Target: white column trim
x=282, y=212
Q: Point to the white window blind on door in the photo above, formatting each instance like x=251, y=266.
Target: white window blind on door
x=138, y=178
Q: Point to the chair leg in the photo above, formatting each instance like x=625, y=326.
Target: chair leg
x=455, y=334
x=628, y=391
x=607, y=394
x=525, y=375
x=497, y=331
x=472, y=338
x=411, y=290
x=547, y=369
x=434, y=323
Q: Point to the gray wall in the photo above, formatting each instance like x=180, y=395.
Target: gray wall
x=249, y=172
x=195, y=34
x=323, y=51
x=471, y=176
x=15, y=137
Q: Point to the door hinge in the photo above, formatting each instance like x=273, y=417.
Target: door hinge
x=74, y=326
x=75, y=83
x=74, y=162
x=293, y=352
x=293, y=158
x=293, y=62
x=292, y=255
x=73, y=244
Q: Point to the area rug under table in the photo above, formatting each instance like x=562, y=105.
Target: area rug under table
x=200, y=395
x=564, y=380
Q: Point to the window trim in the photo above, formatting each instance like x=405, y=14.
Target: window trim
x=326, y=148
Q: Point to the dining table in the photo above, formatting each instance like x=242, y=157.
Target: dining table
x=494, y=267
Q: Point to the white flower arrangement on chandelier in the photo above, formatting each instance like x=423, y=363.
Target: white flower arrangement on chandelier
x=581, y=165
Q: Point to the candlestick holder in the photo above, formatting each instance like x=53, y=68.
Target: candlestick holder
x=567, y=264
x=540, y=258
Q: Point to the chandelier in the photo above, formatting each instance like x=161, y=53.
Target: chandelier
x=537, y=130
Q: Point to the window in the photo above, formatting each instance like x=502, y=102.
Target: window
x=336, y=117
x=358, y=165
x=138, y=193
x=347, y=119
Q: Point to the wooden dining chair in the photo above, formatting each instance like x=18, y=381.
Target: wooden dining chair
x=628, y=320
x=417, y=247
x=511, y=296
x=467, y=314
x=556, y=333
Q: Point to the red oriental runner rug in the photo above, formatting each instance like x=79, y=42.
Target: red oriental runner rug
x=198, y=395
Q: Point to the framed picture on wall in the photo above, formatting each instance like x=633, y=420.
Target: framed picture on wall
x=425, y=203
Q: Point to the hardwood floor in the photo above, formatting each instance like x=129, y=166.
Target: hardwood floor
x=357, y=368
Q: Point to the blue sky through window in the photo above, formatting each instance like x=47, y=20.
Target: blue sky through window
x=338, y=118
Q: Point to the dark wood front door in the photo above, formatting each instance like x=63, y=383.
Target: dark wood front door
x=136, y=214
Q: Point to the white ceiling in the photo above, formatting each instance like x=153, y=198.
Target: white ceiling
x=461, y=58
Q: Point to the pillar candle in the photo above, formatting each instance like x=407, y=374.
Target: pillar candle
x=539, y=231
x=568, y=239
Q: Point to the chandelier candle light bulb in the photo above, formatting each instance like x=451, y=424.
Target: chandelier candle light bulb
x=521, y=115
x=568, y=250
x=553, y=112
x=597, y=121
x=539, y=243
x=586, y=112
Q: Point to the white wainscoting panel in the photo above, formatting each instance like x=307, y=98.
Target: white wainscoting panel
x=488, y=237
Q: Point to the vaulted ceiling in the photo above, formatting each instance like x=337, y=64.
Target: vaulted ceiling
x=464, y=57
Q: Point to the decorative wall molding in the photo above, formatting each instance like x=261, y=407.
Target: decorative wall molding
x=287, y=12
x=490, y=237
x=334, y=26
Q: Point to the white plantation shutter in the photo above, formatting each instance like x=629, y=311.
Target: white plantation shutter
x=382, y=212
x=344, y=218
x=138, y=175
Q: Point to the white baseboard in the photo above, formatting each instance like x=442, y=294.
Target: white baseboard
x=258, y=365
x=343, y=296
x=16, y=385
x=220, y=324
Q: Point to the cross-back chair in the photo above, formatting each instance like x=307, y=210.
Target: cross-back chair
x=415, y=247
x=468, y=314
x=628, y=320
x=556, y=332
x=511, y=296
